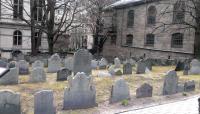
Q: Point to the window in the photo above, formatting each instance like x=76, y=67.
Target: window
x=150, y=39
x=18, y=9
x=17, y=38
x=38, y=12
x=179, y=12
x=177, y=40
x=113, y=40
x=151, y=16
x=129, y=40
x=130, y=19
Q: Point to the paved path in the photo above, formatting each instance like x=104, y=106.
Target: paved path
x=189, y=106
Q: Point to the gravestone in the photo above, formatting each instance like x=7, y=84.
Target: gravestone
x=189, y=86
x=103, y=63
x=145, y=90
x=38, y=63
x=3, y=64
x=141, y=67
x=80, y=94
x=82, y=61
x=9, y=102
x=117, y=63
x=54, y=63
x=180, y=66
x=12, y=64
x=180, y=88
x=94, y=64
x=119, y=92
x=43, y=102
x=63, y=74
x=170, y=83
x=127, y=68
x=11, y=77
x=186, y=69
x=131, y=61
x=37, y=75
x=195, y=67
x=68, y=63
x=23, y=67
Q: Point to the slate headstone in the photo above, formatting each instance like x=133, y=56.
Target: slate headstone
x=141, y=67
x=189, y=86
x=81, y=93
x=63, y=74
x=68, y=63
x=54, y=63
x=38, y=63
x=11, y=77
x=127, y=68
x=145, y=90
x=23, y=67
x=170, y=83
x=9, y=102
x=195, y=67
x=82, y=61
x=43, y=102
x=12, y=64
x=37, y=75
x=119, y=92
x=186, y=69
x=3, y=64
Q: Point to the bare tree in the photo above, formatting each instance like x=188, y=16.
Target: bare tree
x=42, y=18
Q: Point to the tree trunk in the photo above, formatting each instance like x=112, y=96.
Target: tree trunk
x=51, y=44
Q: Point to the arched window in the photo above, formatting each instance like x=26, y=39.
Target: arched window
x=177, y=40
x=129, y=40
x=150, y=38
x=151, y=16
x=38, y=12
x=130, y=18
x=17, y=38
x=179, y=12
x=18, y=9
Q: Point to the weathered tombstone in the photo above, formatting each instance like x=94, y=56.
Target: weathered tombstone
x=94, y=64
x=117, y=63
x=80, y=94
x=120, y=91
x=82, y=61
x=103, y=63
x=189, y=86
x=54, y=63
x=141, y=67
x=180, y=88
x=12, y=64
x=23, y=67
x=68, y=63
x=186, y=69
x=63, y=74
x=43, y=102
x=145, y=90
x=38, y=63
x=170, y=83
x=9, y=102
x=180, y=66
x=195, y=67
x=3, y=64
x=11, y=77
x=37, y=75
x=127, y=68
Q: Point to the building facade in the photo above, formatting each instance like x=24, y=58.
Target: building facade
x=135, y=30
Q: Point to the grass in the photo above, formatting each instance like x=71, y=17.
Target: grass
x=102, y=84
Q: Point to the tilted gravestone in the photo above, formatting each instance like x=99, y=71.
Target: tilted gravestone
x=189, y=86
x=23, y=67
x=141, y=67
x=145, y=90
x=195, y=67
x=37, y=75
x=44, y=102
x=103, y=63
x=94, y=64
x=38, y=63
x=63, y=74
x=3, y=64
x=11, y=77
x=9, y=102
x=170, y=83
x=119, y=92
x=82, y=61
x=54, y=63
x=127, y=68
x=68, y=63
x=80, y=94
x=117, y=63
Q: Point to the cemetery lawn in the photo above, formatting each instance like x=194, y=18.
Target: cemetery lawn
x=103, y=86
